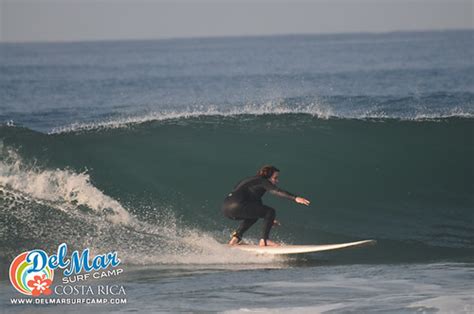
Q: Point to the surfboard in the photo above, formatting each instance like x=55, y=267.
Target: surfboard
x=300, y=249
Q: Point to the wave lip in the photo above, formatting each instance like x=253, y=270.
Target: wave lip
x=358, y=108
x=269, y=108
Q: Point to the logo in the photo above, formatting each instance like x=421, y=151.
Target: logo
x=26, y=279
x=32, y=272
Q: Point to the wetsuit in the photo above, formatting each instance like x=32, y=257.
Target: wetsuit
x=245, y=203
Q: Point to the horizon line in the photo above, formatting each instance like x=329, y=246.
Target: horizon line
x=210, y=37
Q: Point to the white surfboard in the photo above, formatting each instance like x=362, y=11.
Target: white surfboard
x=300, y=249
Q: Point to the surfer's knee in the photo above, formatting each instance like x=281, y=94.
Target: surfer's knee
x=271, y=213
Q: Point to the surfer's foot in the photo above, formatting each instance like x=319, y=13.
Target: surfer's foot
x=269, y=243
x=234, y=241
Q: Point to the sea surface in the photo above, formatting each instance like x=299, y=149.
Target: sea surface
x=131, y=146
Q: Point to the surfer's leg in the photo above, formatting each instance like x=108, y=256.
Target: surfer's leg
x=268, y=214
x=268, y=219
x=237, y=211
x=249, y=213
x=244, y=226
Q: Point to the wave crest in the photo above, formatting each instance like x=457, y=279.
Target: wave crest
x=318, y=109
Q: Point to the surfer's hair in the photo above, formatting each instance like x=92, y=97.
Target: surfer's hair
x=267, y=171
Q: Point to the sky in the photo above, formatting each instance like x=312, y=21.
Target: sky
x=76, y=20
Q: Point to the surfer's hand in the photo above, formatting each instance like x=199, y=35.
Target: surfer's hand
x=276, y=222
x=302, y=200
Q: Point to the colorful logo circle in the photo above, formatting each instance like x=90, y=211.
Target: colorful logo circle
x=30, y=283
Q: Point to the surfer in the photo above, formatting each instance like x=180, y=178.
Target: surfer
x=245, y=203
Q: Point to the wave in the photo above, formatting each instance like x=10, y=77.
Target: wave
x=153, y=190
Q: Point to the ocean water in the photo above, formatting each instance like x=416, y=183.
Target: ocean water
x=132, y=145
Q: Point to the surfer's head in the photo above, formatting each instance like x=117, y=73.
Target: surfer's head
x=269, y=172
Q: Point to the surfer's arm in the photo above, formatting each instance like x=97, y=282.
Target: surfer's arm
x=273, y=189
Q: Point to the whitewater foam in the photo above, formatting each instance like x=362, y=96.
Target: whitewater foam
x=319, y=110
x=269, y=108
x=64, y=188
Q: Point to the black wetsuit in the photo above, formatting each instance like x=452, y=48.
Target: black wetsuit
x=245, y=203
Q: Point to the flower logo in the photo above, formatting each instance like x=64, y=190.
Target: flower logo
x=30, y=283
x=40, y=285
